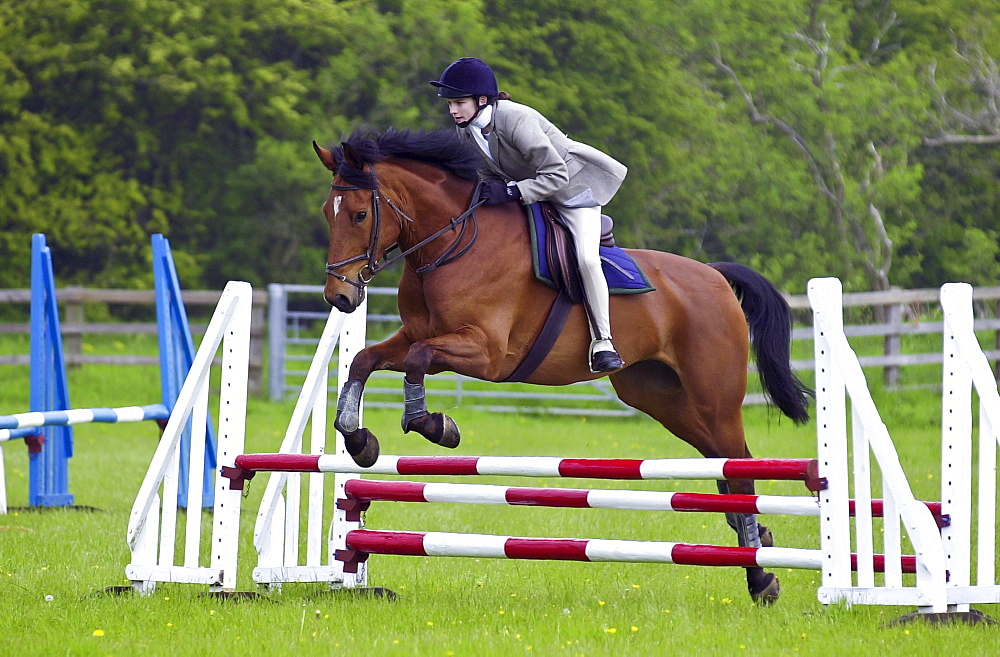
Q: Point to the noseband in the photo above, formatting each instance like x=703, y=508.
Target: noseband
x=373, y=266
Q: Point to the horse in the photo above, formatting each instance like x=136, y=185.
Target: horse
x=470, y=303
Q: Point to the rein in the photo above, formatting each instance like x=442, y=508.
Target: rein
x=373, y=266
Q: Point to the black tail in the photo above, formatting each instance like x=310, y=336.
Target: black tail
x=770, y=322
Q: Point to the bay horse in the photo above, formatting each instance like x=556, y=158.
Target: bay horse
x=470, y=303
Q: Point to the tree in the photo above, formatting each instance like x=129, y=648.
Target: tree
x=848, y=114
x=135, y=110
x=960, y=151
x=122, y=118
x=599, y=72
x=785, y=134
x=374, y=70
x=55, y=177
x=967, y=95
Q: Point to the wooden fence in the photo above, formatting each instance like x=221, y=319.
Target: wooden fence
x=905, y=313
x=74, y=327
x=902, y=315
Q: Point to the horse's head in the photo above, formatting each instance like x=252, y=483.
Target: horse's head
x=425, y=182
x=358, y=238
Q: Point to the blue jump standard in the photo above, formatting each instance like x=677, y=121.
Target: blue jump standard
x=48, y=434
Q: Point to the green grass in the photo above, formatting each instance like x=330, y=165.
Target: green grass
x=444, y=606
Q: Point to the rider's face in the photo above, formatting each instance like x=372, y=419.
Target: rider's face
x=463, y=109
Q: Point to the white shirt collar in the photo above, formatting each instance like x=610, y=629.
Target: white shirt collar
x=483, y=118
x=476, y=128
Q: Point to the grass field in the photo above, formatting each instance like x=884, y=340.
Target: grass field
x=54, y=562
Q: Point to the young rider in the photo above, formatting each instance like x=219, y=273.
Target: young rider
x=531, y=160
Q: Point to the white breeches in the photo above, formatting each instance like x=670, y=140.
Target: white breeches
x=585, y=224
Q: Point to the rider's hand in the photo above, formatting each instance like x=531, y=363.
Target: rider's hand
x=494, y=192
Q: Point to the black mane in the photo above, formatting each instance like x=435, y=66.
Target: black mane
x=441, y=148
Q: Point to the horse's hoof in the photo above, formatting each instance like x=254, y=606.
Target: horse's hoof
x=437, y=428
x=767, y=594
x=450, y=435
x=766, y=537
x=362, y=445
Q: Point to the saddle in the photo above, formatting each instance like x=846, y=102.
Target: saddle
x=560, y=251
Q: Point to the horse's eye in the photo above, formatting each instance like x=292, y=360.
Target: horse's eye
x=359, y=217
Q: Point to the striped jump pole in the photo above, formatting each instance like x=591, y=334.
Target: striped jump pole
x=14, y=434
x=536, y=466
x=362, y=542
x=22, y=424
x=364, y=491
x=31, y=427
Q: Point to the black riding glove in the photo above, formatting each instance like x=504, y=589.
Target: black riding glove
x=494, y=192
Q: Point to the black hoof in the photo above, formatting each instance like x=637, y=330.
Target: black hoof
x=437, y=428
x=767, y=590
x=362, y=445
x=450, y=435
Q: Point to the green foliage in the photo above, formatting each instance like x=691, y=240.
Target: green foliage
x=123, y=118
x=958, y=230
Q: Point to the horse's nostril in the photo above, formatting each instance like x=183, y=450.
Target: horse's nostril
x=342, y=303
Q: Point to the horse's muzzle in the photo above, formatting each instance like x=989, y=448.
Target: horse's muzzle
x=342, y=303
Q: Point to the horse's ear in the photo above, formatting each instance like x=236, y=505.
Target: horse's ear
x=352, y=157
x=325, y=156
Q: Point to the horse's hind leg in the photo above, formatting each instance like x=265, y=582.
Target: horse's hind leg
x=763, y=586
x=710, y=420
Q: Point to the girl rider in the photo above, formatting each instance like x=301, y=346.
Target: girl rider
x=532, y=160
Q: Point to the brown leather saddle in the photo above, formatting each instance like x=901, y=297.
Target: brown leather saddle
x=561, y=251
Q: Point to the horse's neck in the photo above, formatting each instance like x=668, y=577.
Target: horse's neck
x=427, y=208
x=500, y=232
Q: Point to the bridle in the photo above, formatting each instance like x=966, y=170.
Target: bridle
x=373, y=266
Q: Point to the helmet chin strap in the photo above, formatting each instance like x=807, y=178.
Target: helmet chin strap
x=481, y=119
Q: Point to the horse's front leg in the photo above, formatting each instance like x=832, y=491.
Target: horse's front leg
x=361, y=443
x=465, y=351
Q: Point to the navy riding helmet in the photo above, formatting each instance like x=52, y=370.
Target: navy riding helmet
x=468, y=76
